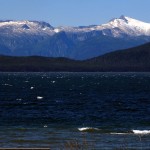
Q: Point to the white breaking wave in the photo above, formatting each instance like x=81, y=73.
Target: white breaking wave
x=132, y=132
x=91, y=129
x=141, y=131
x=39, y=97
x=119, y=133
x=88, y=129
x=18, y=99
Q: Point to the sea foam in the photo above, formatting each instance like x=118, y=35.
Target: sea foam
x=84, y=129
x=141, y=131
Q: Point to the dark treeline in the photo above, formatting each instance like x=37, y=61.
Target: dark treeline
x=133, y=59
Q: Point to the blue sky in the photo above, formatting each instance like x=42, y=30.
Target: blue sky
x=74, y=12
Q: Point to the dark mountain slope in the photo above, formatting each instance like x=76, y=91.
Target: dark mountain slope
x=133, y=59
x=103, y=44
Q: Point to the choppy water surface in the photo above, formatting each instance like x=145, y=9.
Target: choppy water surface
x=107, y=110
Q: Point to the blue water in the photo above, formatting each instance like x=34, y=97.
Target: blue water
x=47, y=109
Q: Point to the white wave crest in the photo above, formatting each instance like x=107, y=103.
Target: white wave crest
x=118, y=133
x=31, y=87
x=45, y=126
x=39, y=97
x=88, y=129
x=141, y=131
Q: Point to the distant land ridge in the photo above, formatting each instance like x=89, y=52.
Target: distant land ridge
x=135, y=59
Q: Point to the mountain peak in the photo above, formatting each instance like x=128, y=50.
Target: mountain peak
x=121, y=18
x=129, y=26
x=124, y=18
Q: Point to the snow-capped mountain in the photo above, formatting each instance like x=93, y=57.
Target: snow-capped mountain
x=128, y=26
x=124, y=24
x=25, y=38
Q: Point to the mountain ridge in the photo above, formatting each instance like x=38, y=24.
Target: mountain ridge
x=27, y=38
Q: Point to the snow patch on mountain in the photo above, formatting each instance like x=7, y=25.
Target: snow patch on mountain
x=31, y=27
x=57, y=30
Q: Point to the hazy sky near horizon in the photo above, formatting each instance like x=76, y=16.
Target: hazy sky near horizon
x=74, y=12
